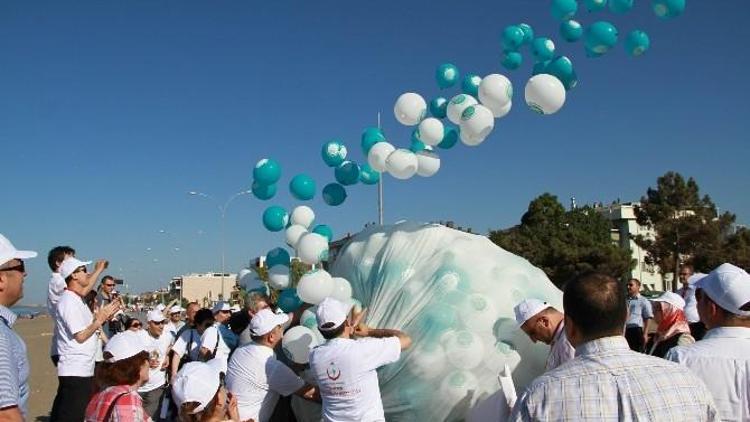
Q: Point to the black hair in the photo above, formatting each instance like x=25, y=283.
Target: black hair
x=202, y=316
x=57, y=255
x=107, y=277
x=332, y=332
x=597, y=305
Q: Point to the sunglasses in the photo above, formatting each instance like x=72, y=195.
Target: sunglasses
x=135, y=325
x=20, y=268
x=159, y=323
x=109, y=285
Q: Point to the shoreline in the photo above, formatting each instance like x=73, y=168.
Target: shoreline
x=37, y=334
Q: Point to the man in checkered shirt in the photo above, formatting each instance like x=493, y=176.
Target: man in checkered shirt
x=606, y=380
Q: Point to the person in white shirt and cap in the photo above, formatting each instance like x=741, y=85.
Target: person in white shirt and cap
x=688, y=278
x=722, y=358
x=175, y=323
x=75, y=328
x=186, y=347
x=14, y=362
x=213, y=345
x=158, y=341
x=346, y=369
x=542, y=322
x=256, y=377
x=199, y=395
x=672, y=327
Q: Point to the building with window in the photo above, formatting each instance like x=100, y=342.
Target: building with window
x=205, y=288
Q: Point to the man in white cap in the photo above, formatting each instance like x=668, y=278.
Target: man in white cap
x=75, y=328
x=542, y=322
x=256, y=377
x=175, y=323
x=213, y=345
x=186, y=346
x=722, y=358
x=14, y=363
x=196, y=386
x=345, y=369
x=158, y=342
x=688, y=279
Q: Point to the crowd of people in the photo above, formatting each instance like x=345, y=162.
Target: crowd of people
x=607, y=361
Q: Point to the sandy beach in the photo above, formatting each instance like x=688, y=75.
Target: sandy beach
x=37, y=333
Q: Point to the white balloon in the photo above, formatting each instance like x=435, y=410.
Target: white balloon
x=428, y=363
x=495, y=91
x=251, y=281
x=278, y=277
x=477, y=122
x=431, y=131
x=479, y=313
x=464, y=350
x=309, y=318
x=402, y=164
x=297, y=343
x=378, y=155
x=500, y=112
x=315, y=286
x=293, y=234
x=342, y=290
x=243, y=272
x=303, y=215
x=545, y=94
x=312, y=248
x=428, y=163
x=456, y=385
x=410, y=109
x=457, y=105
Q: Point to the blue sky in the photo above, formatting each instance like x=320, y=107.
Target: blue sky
x=111, y=111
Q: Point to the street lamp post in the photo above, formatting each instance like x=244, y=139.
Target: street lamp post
x=222, y=214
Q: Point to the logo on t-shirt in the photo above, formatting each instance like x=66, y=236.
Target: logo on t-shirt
x=333, y=372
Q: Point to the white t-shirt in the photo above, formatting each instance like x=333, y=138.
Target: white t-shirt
x=56, y=288
x=346, y=373
x=188, y=338
x=73, y=316
x=158, y=349
x=173, y=328
x=209, y=339
x=257, y=379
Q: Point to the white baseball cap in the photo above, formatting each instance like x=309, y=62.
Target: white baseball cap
x=221, y=306
x=70, y=264
x=175, y=309
x=528, y=308
x=695, y=277
x=332, y=313
x=729, y=287
x=161, y=306
x=8, y=251
x=671, y=298
x=235, y=308
x=196, y=382
x=125, y=345
x=155, y=316
x=265, y=321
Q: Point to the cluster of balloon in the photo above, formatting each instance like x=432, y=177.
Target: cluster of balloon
x=265, y=175
x=311, y=247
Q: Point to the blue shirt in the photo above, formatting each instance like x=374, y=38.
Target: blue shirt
x=14, y=364
x=639, y=309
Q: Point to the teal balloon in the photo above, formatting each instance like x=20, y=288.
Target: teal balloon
x=416, y=143
x=601, y=36
x=668, y=9
x=591, y=53
x=511, y=60
x=512, y=37
x=263, y=192
x=288, y=300
x=275, y=218
x=528, y=33
x=620, y=6
x=333, y=153
x=571, y=30
x=542, y=48
x=324, y=230
x=439, y=107
x=334, y=194
x=563, y=9
x=450, y=137
x=540, y=67
x=562, y=68
x=595, y=5
x=277, y=256
x=370, y=137
x=470, y=84
x=347, y=173
x=302, y=187
x=446, y=75
x=267, y=171
x=637, y=42
x=368, y=175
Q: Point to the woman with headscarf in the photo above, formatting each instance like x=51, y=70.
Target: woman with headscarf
x=673, y=329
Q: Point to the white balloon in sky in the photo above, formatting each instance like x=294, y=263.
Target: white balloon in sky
x=428, y=163
x=314, y=286
x=431, y=131
x=410, y=109
x=477, y=122
x=402, y=164
x=495, y=92
x=457, y=105
x=312, y=248
x=278, y=277
x=545, y=94
x=303, y=215
x=378, y=155
x=342, y=289
x=293, y=233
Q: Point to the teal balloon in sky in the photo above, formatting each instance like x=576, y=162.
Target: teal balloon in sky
x=370, y=137
x=275, y=218
x=637, y=42
x=562, y=68
x=595, y=5
x=511, y=60
x=512, y=37
x=267, y=171
x=563, y=9
x=333, y=153
x=277, y=256
x=667, y=9
x=324, y=230
x=302, y=187
x=347, y=173
x=540, y=67
x=450, y=137
x=334, y=194
x=446, y=75
x=368, y=175
x=620, y=6
x=543, y=48
x=416, y=143
x=571, y=30
x=439, y=107
x=528, y=33
x=263, y=192
x=470, y=84
x=288, y=300
x=601, y=36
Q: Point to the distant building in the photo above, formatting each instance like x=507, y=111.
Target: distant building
x=205, y=288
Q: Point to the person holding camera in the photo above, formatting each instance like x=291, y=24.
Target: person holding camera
x=106, y=295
